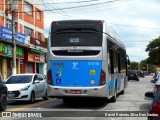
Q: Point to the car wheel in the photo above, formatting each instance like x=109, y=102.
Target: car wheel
x=3, y=102
x=46, y=96
x=32, y=99
x=137, y=79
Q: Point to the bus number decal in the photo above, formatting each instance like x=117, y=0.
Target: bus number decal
x=58, y=64
x=74, y=40
x=93, y=63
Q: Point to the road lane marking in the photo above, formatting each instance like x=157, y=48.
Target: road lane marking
x=31, y=105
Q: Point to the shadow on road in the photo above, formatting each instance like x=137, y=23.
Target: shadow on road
x=144, y=107
x=133, y=81
x=18, y=103
x=153, y=81
x=81, y=103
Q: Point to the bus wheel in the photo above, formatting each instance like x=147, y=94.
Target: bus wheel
x=122, y=92
x=67, y=100
x=113, y=99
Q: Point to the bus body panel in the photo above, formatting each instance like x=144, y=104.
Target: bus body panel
x=62, y=92
x=76, y=72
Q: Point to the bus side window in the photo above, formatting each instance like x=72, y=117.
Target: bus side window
x=119, y=63
x=110, y=61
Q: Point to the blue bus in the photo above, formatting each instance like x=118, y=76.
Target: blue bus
x=85, y=59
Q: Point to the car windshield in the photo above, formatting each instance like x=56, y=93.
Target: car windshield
x=132, y=72
x=19, y=79
x=139, y=71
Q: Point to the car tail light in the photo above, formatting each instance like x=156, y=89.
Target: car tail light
x=156, y=88
x=103, y=78
x=49, y=77
x=156, y=108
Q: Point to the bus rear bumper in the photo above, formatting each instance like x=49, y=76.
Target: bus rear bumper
x=60, y=92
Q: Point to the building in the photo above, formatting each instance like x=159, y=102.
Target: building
x=30, y=41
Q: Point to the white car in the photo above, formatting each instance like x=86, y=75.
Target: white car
x=27, y=87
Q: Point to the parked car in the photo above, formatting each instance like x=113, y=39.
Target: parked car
x=133, y=75
x=27, y=87
x=44, y=76
x=155, y=105
x=140, y=73
x=3, y=94
x=145, y=72
x=157, y=76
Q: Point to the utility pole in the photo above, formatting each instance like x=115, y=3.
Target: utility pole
x=13, y=10
x=147, y=68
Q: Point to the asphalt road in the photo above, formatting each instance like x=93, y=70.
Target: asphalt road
x=132, y=100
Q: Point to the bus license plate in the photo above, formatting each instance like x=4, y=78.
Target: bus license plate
x=75, y=91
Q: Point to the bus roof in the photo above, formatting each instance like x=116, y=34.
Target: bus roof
x=108, y=29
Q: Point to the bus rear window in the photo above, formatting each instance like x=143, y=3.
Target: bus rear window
x=76, y=39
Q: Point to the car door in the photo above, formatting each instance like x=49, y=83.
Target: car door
x=37, y=85
x=42, y=85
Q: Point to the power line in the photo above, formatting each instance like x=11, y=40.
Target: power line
x=133, y=26
x=80, y=6
x=108, y=7
x=73, y=2
x=48, y=3
x=74, y=7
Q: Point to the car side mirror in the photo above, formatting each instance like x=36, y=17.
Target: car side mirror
x=149, y=94
x=36, y=81
x=128, y=61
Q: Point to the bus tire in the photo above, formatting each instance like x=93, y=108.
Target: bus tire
x=113, y=99
x=122, y=92
x=66, y=100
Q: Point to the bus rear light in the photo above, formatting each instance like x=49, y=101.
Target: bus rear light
x=49, y=77
x=156, y=108
x=95, y=89
x=99, y=23
x=54, y=23
x=103, y=78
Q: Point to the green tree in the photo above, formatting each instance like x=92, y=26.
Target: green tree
x=144, y=64
x=134, y=65
x=46, y=40
x=153, y=49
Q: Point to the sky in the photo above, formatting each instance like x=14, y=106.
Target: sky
x=137, y=22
